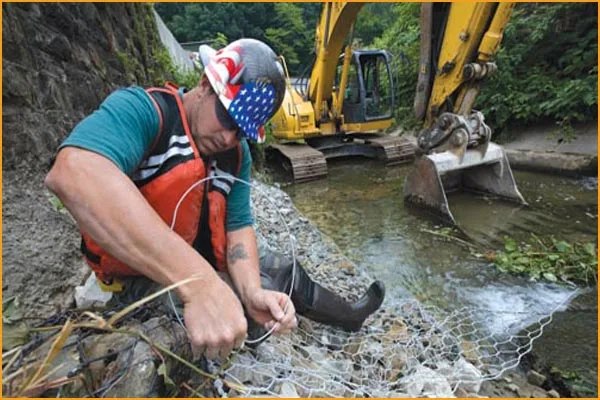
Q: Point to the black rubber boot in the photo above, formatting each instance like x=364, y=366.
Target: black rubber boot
x=313, y=300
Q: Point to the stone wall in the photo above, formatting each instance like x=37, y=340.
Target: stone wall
x=59, y=61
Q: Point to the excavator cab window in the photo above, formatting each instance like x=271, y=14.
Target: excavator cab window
x=352, y=90
x=369, y=92
x=377, y=85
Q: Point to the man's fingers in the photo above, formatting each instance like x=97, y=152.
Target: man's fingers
x=269, y=325
x=197, y=352
x=225, y=351
x=275, y=308
x=212, y=353
x=239, y=343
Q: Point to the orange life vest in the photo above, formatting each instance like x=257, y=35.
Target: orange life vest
x=172, y=166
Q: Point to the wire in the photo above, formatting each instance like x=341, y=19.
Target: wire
x=208, y=178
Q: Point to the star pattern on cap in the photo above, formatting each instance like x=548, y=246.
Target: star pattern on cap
x=251, y=109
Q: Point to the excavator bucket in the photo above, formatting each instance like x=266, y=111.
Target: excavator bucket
x=435, y=174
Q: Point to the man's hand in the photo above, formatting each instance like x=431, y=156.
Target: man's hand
x=214, y=318
x=271, y=309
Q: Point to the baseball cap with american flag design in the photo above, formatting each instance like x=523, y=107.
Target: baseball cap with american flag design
x=249, y=81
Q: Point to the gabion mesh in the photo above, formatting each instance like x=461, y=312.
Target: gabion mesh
x=415, y=351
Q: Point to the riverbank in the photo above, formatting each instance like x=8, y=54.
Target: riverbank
x=546, y=149
x=320, y=256
x=37, y=233
x=406, y=349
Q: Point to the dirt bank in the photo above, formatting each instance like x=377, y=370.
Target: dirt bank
x=41, y=261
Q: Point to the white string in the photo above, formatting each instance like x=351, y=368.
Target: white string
x=184, y=195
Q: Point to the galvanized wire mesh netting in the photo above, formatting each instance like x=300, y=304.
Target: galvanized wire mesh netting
x=412, y=351
x=406, y=349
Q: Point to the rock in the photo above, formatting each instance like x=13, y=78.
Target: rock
x=288, y=390
x=425, y=382
x=513, y=388
x=530, y=391
x=553, y=393
x=336, y=342
x=398, y=359
x=535, y=378
x=470, y=351
x=267, y=352
x=524, y=392
x=139, y=380
x=397, y=333
x=468, y=375
x=461, y=373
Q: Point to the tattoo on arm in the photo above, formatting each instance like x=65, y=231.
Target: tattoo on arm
x=236, y=252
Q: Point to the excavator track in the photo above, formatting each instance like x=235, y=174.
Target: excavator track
x=306, y=163
x=394, y=150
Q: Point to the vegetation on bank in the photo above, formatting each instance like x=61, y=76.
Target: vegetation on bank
x=145, y=59
x=538, y=258
x=547, y=63
x=550, y=259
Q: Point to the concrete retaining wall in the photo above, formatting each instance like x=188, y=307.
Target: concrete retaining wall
x=179, y=56
x=562, y=163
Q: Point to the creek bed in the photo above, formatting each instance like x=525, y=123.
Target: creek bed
x=360, y=206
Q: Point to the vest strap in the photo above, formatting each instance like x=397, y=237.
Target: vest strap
x=93, y=257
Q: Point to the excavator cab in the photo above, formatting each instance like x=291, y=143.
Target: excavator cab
x=369, y=91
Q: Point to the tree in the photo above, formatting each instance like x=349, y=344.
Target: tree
x=547, y=67
x=290, y=37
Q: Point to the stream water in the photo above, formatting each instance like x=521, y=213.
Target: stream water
x=360, y=206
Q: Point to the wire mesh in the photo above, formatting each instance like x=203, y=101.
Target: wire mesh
x=406, y=349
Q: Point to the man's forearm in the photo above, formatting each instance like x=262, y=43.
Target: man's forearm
x=242, y=261
x=109, y=207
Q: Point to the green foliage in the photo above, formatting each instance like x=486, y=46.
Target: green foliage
x=550, y=259
x=172, y=73
x=402, y=40
x=14, y=330
x=547, y=62
x=547, y=67
x=57, y=203
x=287, y=27
x=290, y=37
x=220, y=41
x=372, y=22
x=576, y=383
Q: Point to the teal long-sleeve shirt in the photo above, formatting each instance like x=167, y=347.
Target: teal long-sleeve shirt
x=123, y=130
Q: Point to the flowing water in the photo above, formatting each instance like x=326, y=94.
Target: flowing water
x=360, y=206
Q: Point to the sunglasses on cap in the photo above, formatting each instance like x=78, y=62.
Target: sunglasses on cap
x=225, y=119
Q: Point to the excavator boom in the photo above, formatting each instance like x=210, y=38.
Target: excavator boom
x=458, y=41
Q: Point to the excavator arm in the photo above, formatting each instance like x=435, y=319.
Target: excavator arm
x=458, y=41
x=336, y=22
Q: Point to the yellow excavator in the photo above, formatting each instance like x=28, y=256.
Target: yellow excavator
x=350, y=96
x=339, y=109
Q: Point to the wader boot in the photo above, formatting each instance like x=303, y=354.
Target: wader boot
x=313, y=300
